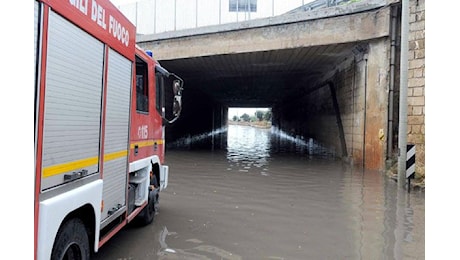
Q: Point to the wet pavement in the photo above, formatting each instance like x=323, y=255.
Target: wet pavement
x=273, y=196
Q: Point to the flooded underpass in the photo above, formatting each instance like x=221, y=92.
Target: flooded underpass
x=270, y=195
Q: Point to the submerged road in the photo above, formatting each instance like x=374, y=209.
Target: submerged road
x=271, y=196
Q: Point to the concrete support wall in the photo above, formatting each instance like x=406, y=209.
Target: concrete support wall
x=350, y=84
x=355, y=128
x=376, y=104
x=416, y=84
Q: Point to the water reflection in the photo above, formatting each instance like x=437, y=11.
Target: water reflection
x=198, y=251
x=246, y=143
x=188, y=141
x=248, y=147
x=252, y=148
x=283, y=142
x=267, y=196
x=378, y=216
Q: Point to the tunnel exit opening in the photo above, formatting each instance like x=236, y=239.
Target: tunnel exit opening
x=260, y=116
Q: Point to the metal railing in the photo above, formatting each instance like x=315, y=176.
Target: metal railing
x=318, y=4
x=157, y=16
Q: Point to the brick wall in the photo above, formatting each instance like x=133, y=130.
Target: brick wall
x=416, y=83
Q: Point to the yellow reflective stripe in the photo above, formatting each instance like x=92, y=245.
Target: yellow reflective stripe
x=115, y=155
x=75, y=165
x=146, y=143
x=67, y=167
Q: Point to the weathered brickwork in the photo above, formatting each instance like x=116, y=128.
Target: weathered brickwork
x=416, y=83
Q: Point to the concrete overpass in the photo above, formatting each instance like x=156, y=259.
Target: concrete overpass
x=329, y=74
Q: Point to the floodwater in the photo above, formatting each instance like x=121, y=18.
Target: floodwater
x=273, y=196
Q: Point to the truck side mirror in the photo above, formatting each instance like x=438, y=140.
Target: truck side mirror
x=177, y=88
x=177, y=104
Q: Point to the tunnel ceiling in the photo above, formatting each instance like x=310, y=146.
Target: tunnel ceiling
x=258, y=79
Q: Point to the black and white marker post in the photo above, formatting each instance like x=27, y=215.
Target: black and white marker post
x=410, y=163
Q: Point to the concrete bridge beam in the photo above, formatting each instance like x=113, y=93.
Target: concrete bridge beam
x=293, y=31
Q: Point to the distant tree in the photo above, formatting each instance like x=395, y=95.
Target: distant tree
x=259, y=115
x=235, y=118
x=268, y=116
x=245, y=117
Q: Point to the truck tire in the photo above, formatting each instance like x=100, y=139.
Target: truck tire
x=147, y=215
x=71, y=242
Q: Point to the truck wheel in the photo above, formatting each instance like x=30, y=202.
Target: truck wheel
x=71, y=242
x=148, y=213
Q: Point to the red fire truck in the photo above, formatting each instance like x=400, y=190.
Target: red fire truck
x=101, y=107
